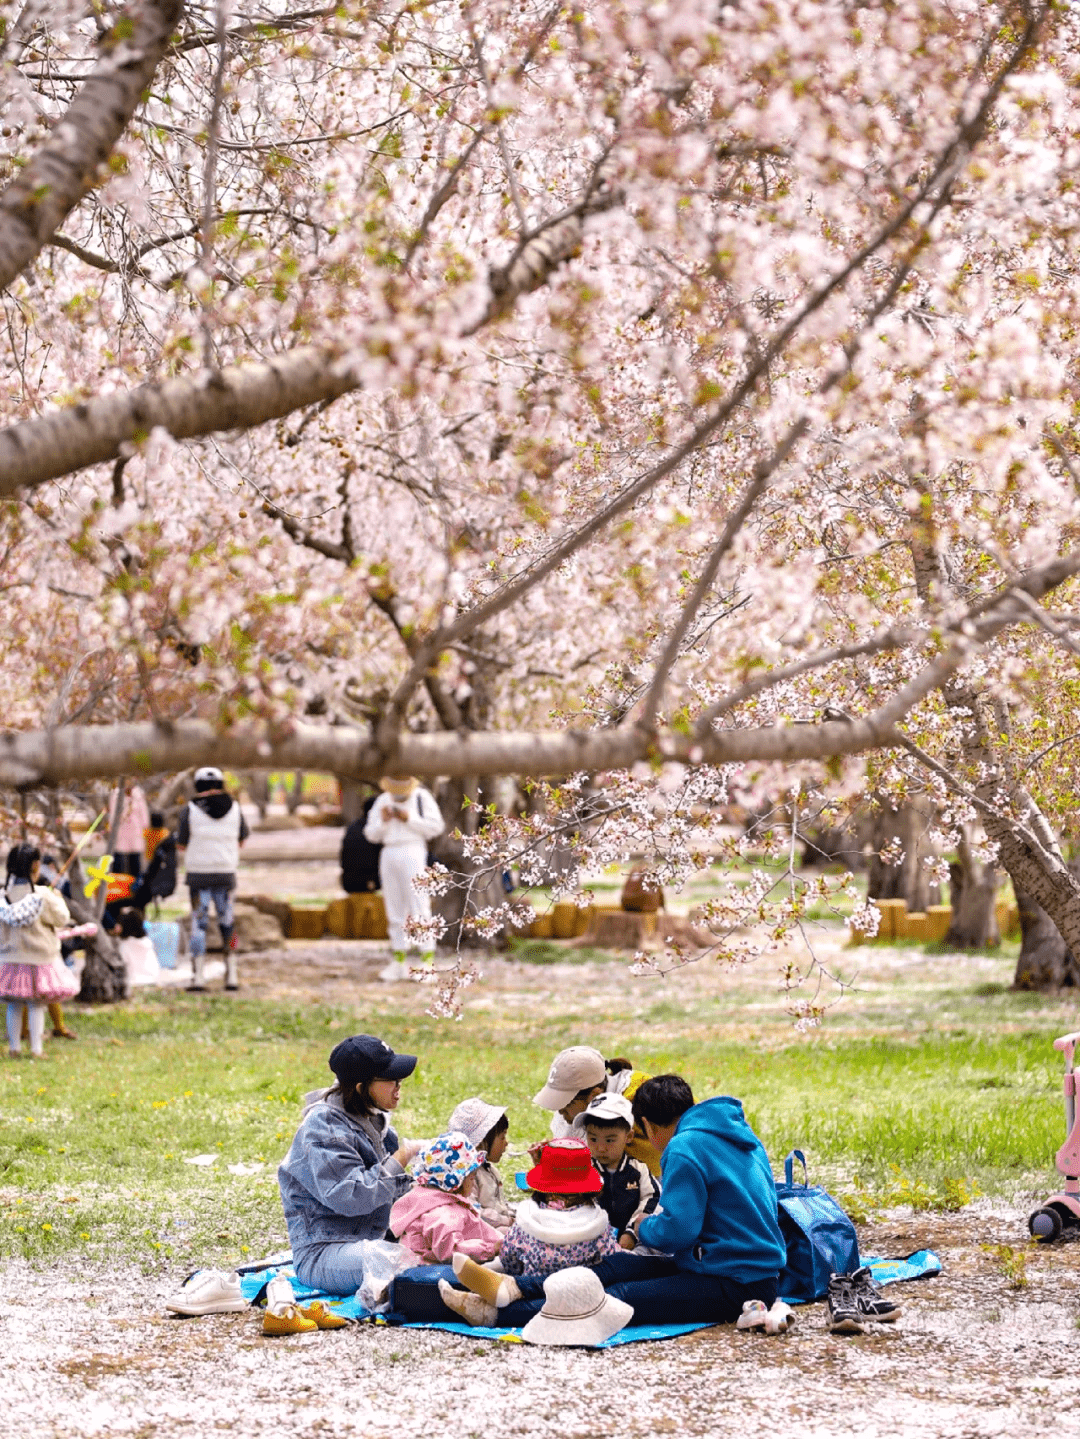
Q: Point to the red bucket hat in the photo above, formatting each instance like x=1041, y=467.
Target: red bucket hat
x=565, y=1167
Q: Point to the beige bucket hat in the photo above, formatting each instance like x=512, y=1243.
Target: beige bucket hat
x=476, y=1118
x=577, y=1311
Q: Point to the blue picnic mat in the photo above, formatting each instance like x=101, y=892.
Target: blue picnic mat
x=923, y=1264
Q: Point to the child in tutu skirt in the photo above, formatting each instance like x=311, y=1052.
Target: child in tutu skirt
x=32, y=973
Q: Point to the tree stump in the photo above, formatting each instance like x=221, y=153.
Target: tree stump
x=610, y=927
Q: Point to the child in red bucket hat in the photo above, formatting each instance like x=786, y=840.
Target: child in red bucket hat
x=560, y=1226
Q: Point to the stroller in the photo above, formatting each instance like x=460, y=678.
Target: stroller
x=1061, y=1212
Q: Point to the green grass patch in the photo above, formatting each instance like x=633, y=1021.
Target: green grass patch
x=959, y=1093
x=547, y=951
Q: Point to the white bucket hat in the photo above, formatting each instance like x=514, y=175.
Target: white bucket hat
x=607, y=1107
x=475, y=1118
x=576, y=1311
x=572, y=1070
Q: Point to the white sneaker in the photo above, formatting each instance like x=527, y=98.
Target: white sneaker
x=213, y=1291
x=780, y=1318
x=396, y=970
x=754, y=1315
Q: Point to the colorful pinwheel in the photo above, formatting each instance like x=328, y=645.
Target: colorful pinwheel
x=99, y=875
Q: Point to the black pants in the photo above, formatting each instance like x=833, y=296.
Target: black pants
x=660, y=1292
x=128, y=862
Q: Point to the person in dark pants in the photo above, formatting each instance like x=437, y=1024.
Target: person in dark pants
x=717, y=1221
x=359, y=857
x=211, y=831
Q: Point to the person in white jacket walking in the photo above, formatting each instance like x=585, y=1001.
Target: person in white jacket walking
x=403, y=820
x=210, y=834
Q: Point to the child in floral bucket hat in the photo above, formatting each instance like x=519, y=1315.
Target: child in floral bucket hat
x=437, y=1218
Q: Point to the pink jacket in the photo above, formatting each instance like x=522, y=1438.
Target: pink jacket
x=436, y=1225
x=134, y=818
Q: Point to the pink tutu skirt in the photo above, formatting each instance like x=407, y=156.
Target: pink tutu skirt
x=37, y=983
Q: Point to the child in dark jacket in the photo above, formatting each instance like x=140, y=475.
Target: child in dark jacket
x=629, y=1191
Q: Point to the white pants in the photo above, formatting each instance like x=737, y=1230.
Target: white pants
x=399, y=864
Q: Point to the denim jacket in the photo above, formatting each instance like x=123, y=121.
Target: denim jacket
x=339, y=1177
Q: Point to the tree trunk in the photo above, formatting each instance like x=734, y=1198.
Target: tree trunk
x=104, y=976
x=473, y=890
x=910, y=879
x=352, y=800
x=1046, y=962
x=294, y=792
x=973, y=890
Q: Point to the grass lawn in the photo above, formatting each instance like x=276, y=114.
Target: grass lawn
x=932, y=1079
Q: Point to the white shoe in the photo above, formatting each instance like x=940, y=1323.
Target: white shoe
x=396, y=970
x=754, y=1315
x=213, y=1291
x=780, y=1318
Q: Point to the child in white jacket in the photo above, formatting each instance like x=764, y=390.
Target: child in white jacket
x=403, y=820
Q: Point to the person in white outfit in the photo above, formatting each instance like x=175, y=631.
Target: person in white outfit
x=210, y=834
x=403, y=820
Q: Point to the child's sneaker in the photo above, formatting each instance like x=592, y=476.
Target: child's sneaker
x=287, y=1319
x=780, y=1318
x=754, y=1314
x=872, y=1303
x=842, y=1314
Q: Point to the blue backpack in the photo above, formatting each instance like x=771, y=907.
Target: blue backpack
x=820, y=1238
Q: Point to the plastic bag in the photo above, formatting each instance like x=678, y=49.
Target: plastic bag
x=164, y=935
x=382, y=1260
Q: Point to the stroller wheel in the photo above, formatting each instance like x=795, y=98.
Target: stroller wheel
x=1045, y=1225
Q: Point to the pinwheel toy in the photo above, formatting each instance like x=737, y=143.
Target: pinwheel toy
x=99, y=875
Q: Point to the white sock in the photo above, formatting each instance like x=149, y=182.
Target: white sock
x=37, y=1028
x=279, y=1295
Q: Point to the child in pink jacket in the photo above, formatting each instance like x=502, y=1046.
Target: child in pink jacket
x=436, y=1218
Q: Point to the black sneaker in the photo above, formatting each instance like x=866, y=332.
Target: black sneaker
x=842, y=1313
x=872, y=1303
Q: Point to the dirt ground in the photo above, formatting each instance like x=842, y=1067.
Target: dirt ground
x=95, y=1354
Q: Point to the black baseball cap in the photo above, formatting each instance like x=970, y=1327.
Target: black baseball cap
x=362, y=1057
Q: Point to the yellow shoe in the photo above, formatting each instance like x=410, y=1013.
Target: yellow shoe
x=288, y=1320
x=325, y=1318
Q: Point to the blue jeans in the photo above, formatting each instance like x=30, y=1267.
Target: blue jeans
x=200, y=916
x=659, y=1291
x=341, y=1268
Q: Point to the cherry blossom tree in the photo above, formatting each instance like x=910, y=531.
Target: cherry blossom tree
x=679, y=395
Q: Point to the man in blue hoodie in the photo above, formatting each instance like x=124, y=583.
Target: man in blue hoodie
x=717, y=1220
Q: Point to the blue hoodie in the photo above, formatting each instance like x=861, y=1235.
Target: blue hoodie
x=718, y=1213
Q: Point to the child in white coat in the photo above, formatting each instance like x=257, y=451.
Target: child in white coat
x=403, y=820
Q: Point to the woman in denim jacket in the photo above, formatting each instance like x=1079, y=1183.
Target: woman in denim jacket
x=346, y=1165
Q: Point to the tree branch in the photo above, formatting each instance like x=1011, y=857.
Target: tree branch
x=66, y=166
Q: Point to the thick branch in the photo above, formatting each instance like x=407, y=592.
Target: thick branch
x=67, y=165
x=100, y=751
x=239, y=397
